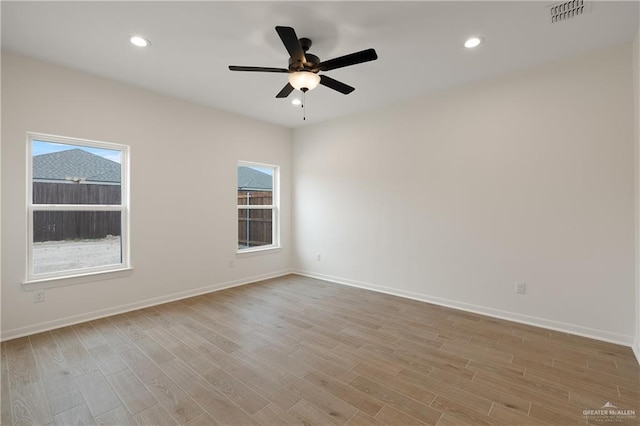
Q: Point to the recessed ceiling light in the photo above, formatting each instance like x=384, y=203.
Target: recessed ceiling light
x=139, y=41
x=472, y=42
x=296, y=102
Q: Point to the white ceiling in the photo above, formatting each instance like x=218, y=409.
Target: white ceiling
x=419, y=44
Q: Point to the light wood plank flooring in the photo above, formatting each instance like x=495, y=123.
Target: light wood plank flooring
x=295, y=350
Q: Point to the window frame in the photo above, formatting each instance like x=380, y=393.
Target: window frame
x=274, y=207
x=40, y=280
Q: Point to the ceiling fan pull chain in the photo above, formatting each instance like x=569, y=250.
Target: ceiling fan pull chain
x=304, y=106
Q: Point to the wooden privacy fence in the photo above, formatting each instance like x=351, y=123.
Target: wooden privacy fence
x=71, y=225
x=255, y=225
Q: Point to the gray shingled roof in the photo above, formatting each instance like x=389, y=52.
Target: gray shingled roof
x=73, y=164
x=252, y=179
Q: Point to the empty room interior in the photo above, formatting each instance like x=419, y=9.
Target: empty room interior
x=318, y=213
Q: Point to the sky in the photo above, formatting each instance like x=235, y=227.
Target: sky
x=40, y=148
x=265, y=170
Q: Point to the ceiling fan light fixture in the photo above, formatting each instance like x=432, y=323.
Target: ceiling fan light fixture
x=473, y=42
x=304, y=80
x=139, y=41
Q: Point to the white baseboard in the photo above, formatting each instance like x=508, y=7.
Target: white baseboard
x=510, y=316
x=482, y=310
x=90, y=316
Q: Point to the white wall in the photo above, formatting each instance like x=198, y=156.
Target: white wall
x=449, y=198
x=454, y=197
x=183, y=172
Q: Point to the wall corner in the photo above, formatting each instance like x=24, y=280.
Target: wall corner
x=636, y=144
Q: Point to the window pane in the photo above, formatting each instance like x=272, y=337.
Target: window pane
x=68, y=240
x=255, y=198
x=74, y=174
x=255, y=185
x=254, y=228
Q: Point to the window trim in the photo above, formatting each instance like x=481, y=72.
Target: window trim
x=275, y=209
x=56, y=279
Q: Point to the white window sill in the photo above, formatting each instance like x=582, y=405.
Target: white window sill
x=257, y=251
x=39, y=284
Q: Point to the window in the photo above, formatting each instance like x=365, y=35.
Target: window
x=257, y=207
x=77, y=207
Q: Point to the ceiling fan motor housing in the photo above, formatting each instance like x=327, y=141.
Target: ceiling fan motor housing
x=311, y=64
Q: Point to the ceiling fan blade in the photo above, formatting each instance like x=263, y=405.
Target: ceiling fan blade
x=286, y=90
x=351, y=59
x=256, y=69
x=290, y=41
x=345, y=89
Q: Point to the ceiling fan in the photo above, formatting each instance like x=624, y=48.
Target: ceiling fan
x=304, y=67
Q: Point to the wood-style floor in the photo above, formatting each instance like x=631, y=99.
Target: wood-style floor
x=296, y=350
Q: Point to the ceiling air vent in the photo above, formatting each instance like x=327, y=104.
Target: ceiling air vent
x=567, y=10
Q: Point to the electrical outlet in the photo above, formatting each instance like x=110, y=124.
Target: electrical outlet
x=520, y=287
x=38, y=296
x=318, y=257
